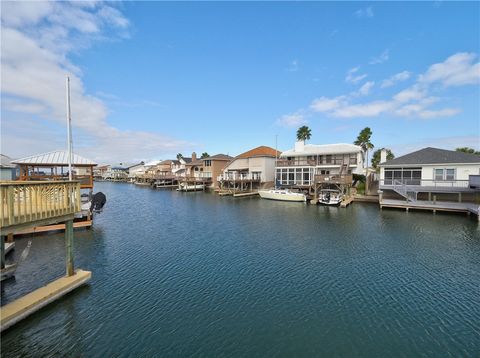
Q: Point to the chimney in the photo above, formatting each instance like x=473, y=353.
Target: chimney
x=194, y=156
x=300, y=146
x=383, y=155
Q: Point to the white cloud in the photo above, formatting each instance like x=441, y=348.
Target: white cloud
x=365, y=89
x=384, y=56
x=36, y=39
x=352, y=77
x=367, y=12
x=399, y=77
x=371, y=109
x=324, y=104
x=415, y=101
x=457, y=70
x=292, y=120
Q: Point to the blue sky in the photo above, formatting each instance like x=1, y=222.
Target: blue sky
x=150, y=79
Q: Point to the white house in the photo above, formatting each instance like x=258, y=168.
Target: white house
x=298, y=166
x=429, y=170
x=257, y=164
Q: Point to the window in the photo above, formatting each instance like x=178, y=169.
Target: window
x=208, y=163
x=438, y=174
x=449, y=174
x=329, y=159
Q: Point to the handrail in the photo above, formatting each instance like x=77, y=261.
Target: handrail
x=461, y=183
x=23, y=202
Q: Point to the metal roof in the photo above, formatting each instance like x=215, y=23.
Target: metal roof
x=431, y=155
x=57, y=157
x=322, y=149
x=6, y=162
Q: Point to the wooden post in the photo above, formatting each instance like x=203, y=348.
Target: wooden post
x=459, y=197
x=2, y=252
x=429, y=196
x=10, y=237
x=434, y=200
x=69, y=247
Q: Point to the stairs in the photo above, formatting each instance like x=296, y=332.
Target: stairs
x=401, y=189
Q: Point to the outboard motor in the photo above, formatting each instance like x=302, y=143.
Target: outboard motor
x=98, y=201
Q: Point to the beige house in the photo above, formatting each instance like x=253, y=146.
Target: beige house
x=256, y=166
x=207, y=168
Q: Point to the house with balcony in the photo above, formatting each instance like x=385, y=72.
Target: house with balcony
x=308, y=165
x=250, y=171
x=206, y=170
x=431, y=179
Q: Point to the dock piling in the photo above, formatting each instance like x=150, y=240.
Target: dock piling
x=69, y=247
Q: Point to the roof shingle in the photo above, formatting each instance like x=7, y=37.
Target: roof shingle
x=431, y=155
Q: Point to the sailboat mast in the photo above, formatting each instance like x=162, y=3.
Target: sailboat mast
x=69, y=131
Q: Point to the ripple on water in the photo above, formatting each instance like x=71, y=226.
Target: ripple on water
x=196, y=274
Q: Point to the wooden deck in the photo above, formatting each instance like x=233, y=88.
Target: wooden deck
x=27, y=204
x=469, y=208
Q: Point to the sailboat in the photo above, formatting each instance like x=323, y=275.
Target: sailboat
x=281, y=194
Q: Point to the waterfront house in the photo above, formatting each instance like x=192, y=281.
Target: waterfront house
x=306, y=164
x=116, y=173
x=430, y=174
x=8, y=171
x=251, y=170
x=99, y=171
x=207, y=169
x=135, y=169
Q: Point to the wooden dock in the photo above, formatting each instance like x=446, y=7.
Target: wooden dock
x=346, y=202
x=56, y=227
x=240, y=195
x=23, y=307
x=26, y=205
x=448, y=206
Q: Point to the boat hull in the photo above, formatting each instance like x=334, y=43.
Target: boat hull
x=282, y=195
x=196, y=187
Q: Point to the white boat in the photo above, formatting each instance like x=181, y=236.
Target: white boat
x=282, y=195
x=191, y=187
x=330, y=197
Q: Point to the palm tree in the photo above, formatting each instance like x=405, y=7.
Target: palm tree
x=204, y=155
x=304, y=133
x=179, y=155
x=363, y=140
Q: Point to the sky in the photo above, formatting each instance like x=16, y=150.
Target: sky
x=152, y=79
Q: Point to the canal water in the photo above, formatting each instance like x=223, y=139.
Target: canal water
x=194, y=274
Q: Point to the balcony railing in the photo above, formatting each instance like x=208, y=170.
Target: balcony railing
x=334, y=179
x=240, y=176
x=313, y=162
x=24, y=202
x=426, y=183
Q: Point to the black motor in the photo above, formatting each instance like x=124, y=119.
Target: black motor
x=98, y=201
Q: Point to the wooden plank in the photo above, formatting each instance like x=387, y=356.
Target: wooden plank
x=21, y=308
x=54, y=227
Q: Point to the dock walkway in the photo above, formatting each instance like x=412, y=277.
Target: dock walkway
x=469, y=208
x=17, y=310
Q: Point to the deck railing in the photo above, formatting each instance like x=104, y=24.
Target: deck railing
x=314, y=162
x=334, y=179
x=28, y=201
x=426, y=183
x=239, y=176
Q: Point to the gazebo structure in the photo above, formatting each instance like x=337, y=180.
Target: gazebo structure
x=54, y=166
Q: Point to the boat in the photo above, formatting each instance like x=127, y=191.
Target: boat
x=330, y=197
x=191, y=187
x=282, y=195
